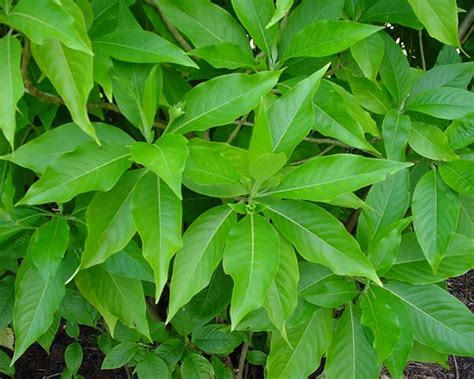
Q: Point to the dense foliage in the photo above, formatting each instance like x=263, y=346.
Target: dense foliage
x=218, y=186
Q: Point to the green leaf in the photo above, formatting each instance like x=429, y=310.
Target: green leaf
x=411, y=265
x=461, y=132
x=225, y=55
x=422, y=353
x=440, y=19
x=109, y=221
x=251, y=258
x=136, y=89
x=36, y=301
x=393, y=11
x=319, y=286
x=266, y=166
x=350, y=354
x=327, y=37
x=7, y=299
x=439, y=320
x=203, y=22
x=466, y=217
x=112, y=296
x=372, y=96
x=203, y=245
x=430, y=142
x=11, y=84
x=47, y=338
x=382, y=321
x=282, y=296
x=459, y=175
x=48, y=245
x=255, y=15
x=320, y=238
x=261, y=140
x=216, y=339
x=152, y=367
x=140, y=46
x=5, y=364
x=368, y=53
x=73, y=357
x=290, y=116
x=324, y=178
x=308, y=338
x=282, y=8
x=445, y=102
x=41, y=20
x=197, y=367
x=41, y=152
x=396, y=129
x=435, y=211
x=166, y=158
x=70, y=72
x=119, y=356
x=221, y=100
x=157, y=215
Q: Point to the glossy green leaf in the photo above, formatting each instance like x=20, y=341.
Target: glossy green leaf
x=461, y=132
x=48, y=245
x=327, y=37
x=350, y=354
x=396, y=129
x=73, y=357
x=282, y=8
x=320, y=238
x=216, y=339
x=112, y=296
x=70, y=71
x=203, y=245
x=157, y=216
x=109, y=221
x=196, y=366
x=140, y=46
x=7, y=299
x=266, y=166
x=439, y=18
x=225, y=55
x=368, y=53
x=290, y=116
x=255, y=15
x=221, y=100
x=308, y=338
x=372, y=96
x=430, y=142
x=36, y=301
x=323, y=178
x=251, y=258
x=439, y=319
x=445, y=102
x=393, y=11
x=459, y=175
x=151, y=367
x=120, y=355
x=166, y=158
x=11, y=84
x=435, y=211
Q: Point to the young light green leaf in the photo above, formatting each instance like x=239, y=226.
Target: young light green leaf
x=157, y=216
x=261, y=140
x=11, y=85
x=324, y=178
x=140, y=46
x=152, y=366
x=459, y=175
x=461, y=132
x=396, y=129
x=251, y=258
x=350, y=354
x=109, y=219
x=444, y=102
x=320, y=238
x=435, y=211
x=255, y=15
x=368, y=53
x=112, y=296
x=221, y=100
x=203, y=245
x=266, y=166
x=70, y=72
x=225, y=55
x=87, y=168
x=196, y=366
x=73, y=357
x=308, y=338
x=120, y=355
x=430, y=142
x=48, y=245
x=36, y=301
x=440, y=19
x=166, y=158
x=327, y=37
x=290, y=116
x=439, y=319
x=282, y=8
x=372, y=96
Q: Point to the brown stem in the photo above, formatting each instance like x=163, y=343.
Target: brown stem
x=243, y=357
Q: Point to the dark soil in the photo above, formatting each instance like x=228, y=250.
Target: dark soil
x=37, y=364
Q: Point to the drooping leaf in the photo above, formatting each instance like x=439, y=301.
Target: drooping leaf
x=152, y=366
x=368, y=53
x=430, y=142
x=225, y=55
x=196, y=366
x=216, y=339
x=251, y=258
x=396, y=129
x=459, y=175
x=221, y=100
x=73, y=356
x=203, y=245
x=119, y=355
x=157, y=216
x=461, y=132
x=282, y=8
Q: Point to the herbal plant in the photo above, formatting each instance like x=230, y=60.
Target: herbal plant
x=216, y=186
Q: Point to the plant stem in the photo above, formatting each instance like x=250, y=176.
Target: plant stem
x=243, y=357
x=420, y=40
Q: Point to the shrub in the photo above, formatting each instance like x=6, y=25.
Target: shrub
x=214, y=185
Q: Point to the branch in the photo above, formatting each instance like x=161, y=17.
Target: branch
x=327, y=141
x=243, y=357
x=466, y=26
